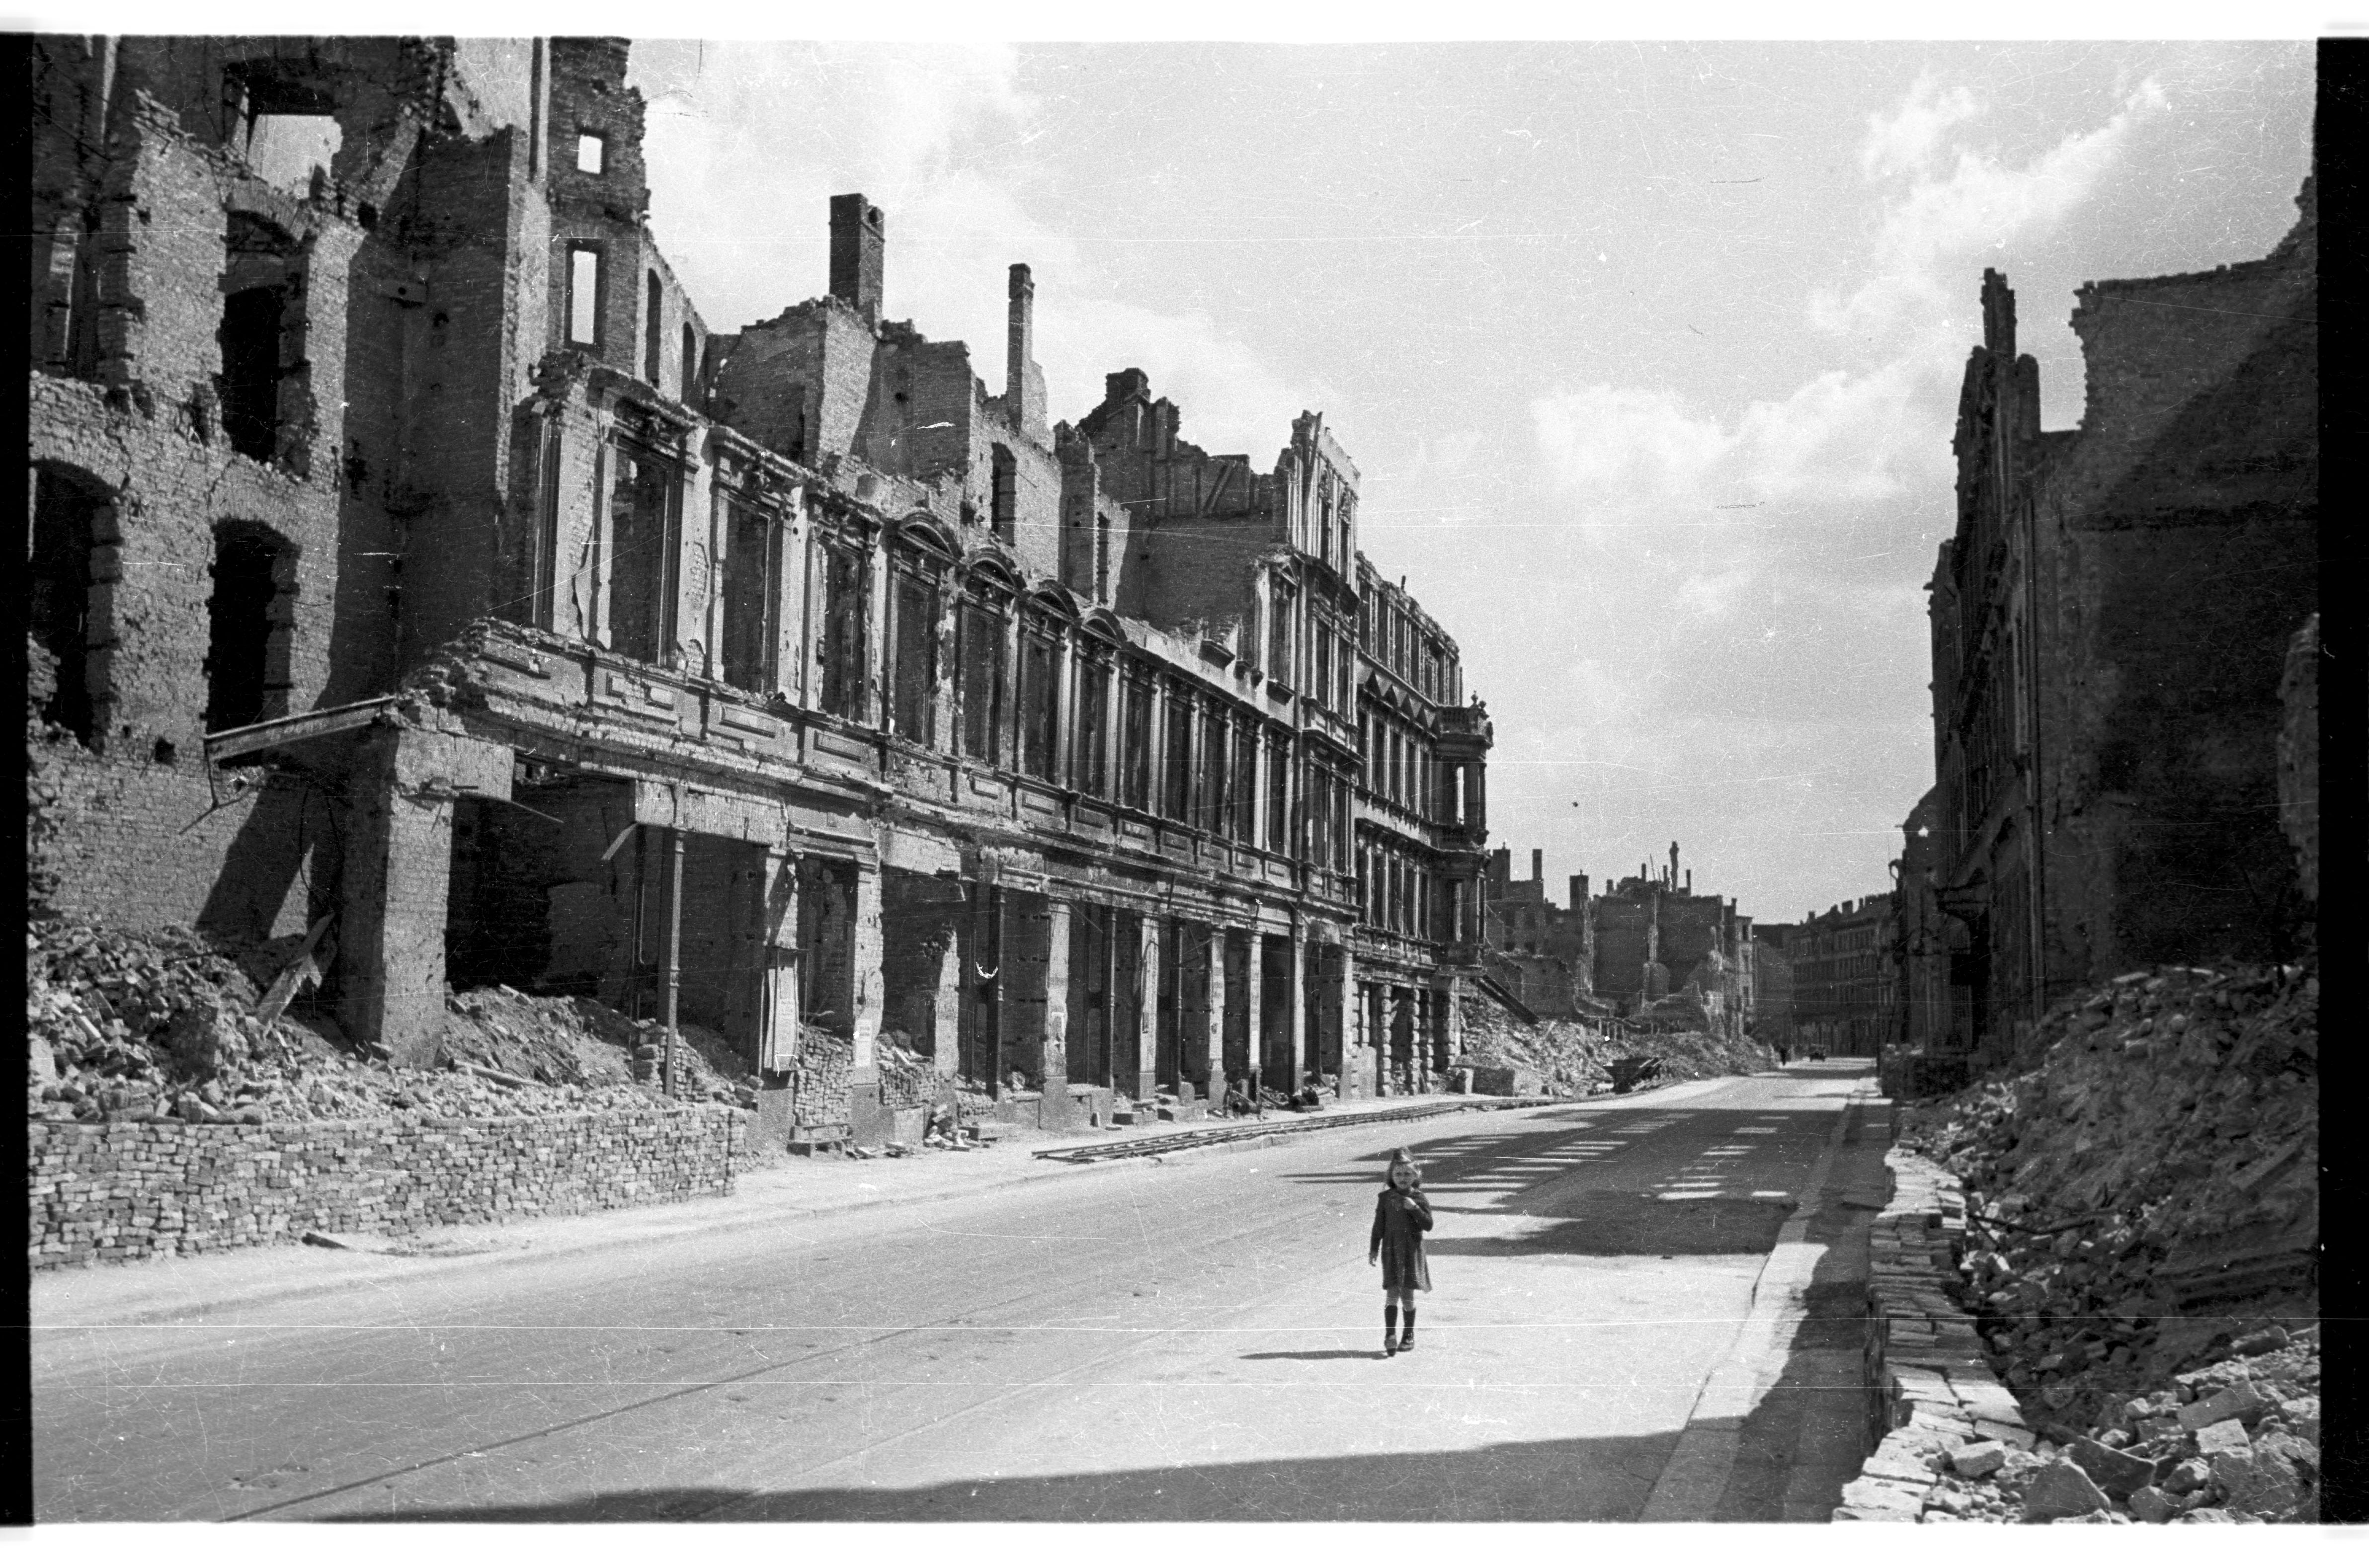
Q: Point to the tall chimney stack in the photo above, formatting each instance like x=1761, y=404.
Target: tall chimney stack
x=857, y=251
x=1579, y=892
x=1024, y=384
x=1538, y=868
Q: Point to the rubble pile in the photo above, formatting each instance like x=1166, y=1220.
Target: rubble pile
x=2235, y=1441
x=164, y=1026
x=1569, y=1058
x=2155, y=1173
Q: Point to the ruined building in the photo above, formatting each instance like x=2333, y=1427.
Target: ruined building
x=1845, y=978
x=418, y=557
x=2111, y=622
x=1647, y=948
x=1543, y=954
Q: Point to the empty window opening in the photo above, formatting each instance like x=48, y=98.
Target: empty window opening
x=1213, y=776
x=1242, y=799
x=840, y=639
x=913, y=708
x=1278, y=794
x=1039, y=705
x=1004, y=503
x=1135, y=741
x=251, y=370
x=591, y=152
x=583, y=296
x=1278, y=633
x=242, y=616
x=1323, y=692
x=643, y=521
x=751, y=571
x=690, y=363
x=1179, y=794
x=982, y=678
x=1092, y=774
x=654, y=333
x=58, y=590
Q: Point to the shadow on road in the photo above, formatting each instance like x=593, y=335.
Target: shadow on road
x=1312, y=1355
x=1617, y=1224
x=1574, y=1479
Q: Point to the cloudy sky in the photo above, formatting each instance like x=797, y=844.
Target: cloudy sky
x=1649, y=353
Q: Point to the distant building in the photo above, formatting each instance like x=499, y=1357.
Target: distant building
x=2109, y=627
x=1846, y=983
x=1543, y=953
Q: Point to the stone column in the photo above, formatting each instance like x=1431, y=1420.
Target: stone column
x=1348, y=1006
x=863, y=1090
x=1055, y=1110
x=1143, y=1041
x=397, y=876
x=1450, y=1013
x=1301, y=1043
x=1216, y=1014
x=777, y=1022
x=1254, y=1006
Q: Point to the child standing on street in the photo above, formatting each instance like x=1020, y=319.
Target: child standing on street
x=1402, y=1214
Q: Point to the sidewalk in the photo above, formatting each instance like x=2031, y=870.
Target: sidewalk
x=181, y=1288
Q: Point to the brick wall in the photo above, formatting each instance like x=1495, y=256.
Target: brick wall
x=111, y=1192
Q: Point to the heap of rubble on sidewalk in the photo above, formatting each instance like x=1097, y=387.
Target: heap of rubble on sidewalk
x=125, y=1025
x=2137, y=1245
x=1565, y=1056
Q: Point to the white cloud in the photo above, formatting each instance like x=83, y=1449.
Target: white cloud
x=747, y=141
x=1906, y=140
x=1943, y=209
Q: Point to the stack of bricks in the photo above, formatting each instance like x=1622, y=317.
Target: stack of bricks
x=1931, y=1390
x=105, y=1192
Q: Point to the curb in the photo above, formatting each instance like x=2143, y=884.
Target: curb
x=1931, y=1389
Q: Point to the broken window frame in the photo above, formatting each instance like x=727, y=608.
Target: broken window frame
x=747, y=644
x=636, y=627
x=917, y=569
x=69, y=620
x=597, y=141
x=1278, y=791
x=1177, y=753
x=1282, y=594
x=1245, y=797
x=982, y=617
x=843, y=567
x=1211, y=779
x=1038, y=740
x=1137, y=694
x=1090, y=769
x=263, y=271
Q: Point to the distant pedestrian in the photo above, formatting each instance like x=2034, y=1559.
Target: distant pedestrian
x=1402, y=1214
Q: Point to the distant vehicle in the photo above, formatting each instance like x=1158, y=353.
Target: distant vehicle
x=1818, y=1053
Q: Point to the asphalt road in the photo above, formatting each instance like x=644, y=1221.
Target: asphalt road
x=1197, y=1339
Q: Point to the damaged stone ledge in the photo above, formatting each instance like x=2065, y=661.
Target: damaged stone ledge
x=1933, y=1400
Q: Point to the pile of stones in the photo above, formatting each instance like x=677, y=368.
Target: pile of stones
x=2155, y=1173
x=147, y=1026
x=2234, y=1442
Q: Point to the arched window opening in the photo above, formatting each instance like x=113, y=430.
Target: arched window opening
x=980, y=674
x=58, y=590
x=1040, y=651
x=690, y=365
x=1092, y=773
x=913, y=699
x=251, y=566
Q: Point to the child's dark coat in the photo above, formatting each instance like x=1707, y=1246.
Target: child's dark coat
x=1400, y=1220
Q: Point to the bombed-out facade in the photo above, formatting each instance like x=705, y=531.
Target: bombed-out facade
x=420, y=560
x=2112, y=621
